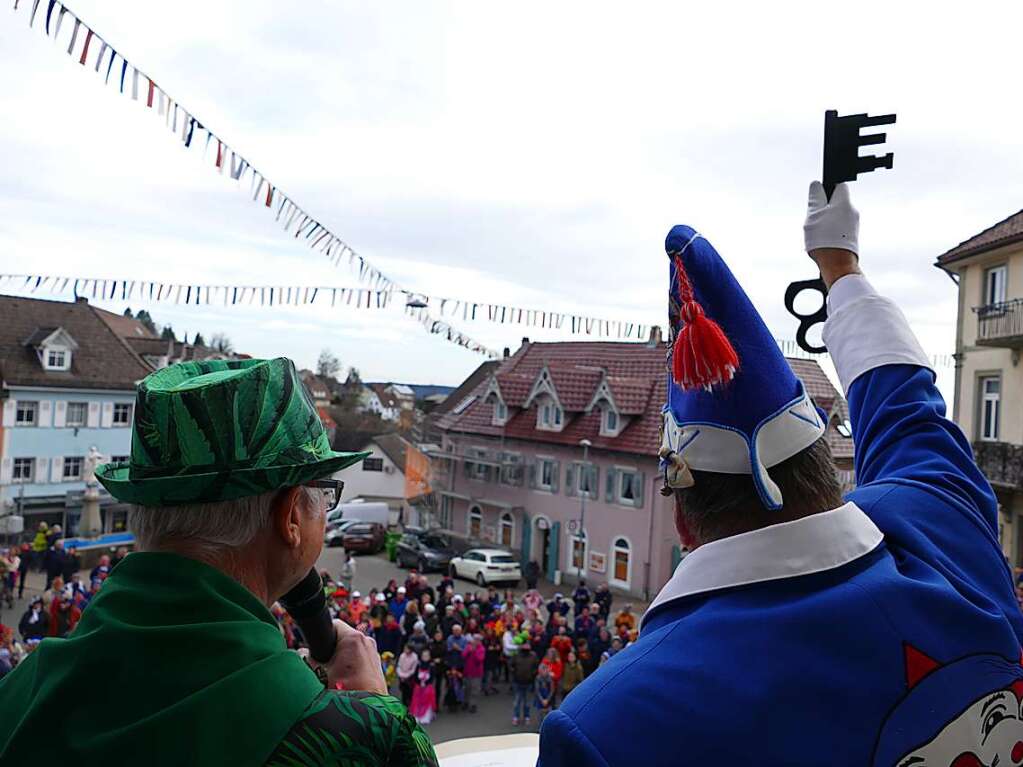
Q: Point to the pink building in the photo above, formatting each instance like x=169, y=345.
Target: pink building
x=561, y=438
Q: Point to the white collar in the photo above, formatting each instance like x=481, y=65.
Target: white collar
x=808, y=545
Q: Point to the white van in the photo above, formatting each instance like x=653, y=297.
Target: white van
x=362, y=512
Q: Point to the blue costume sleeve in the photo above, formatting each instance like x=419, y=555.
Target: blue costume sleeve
x=915, y=472
x=562, y=744
x=902, y=434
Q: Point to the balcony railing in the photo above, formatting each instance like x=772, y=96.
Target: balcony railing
x=1000, y=324
x=1001, y=462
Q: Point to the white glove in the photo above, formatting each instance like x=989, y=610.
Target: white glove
x=834, y=224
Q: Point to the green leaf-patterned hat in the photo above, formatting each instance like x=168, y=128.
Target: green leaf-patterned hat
x=222, y=429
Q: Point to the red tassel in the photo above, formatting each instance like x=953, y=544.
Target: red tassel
x=702, y=356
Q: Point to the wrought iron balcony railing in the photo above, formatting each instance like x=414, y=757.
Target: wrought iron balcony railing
x=1000, y=324
x=1001, y=462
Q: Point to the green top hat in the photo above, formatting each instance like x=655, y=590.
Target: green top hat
x=222, y=429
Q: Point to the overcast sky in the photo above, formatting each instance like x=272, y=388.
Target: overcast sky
x=536, y=154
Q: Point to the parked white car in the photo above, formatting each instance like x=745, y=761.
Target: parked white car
x=336, y=531
x=486, y=566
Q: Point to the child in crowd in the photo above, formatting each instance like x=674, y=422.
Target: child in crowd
x=424, y=698
x=544, y=691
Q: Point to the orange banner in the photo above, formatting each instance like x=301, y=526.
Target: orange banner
x=417, y=473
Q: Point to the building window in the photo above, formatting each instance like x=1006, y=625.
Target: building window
x=445, y=512
x=995, y=285
x=586, y=480
x=990, y=407
x=609, y=422
x=628, y=487
x=547, y=474
x=24, y=470
x=120, y=458
x=475, y=521
x=500, y=413
x=57, y=359
x=621, y=562
x=474, y=469
x=27, y=413
x=511, y=469
x=373, y=464
x=73, y=468
x=507, y=533
x=549, y=416
x=77, y=413
x=122, y=413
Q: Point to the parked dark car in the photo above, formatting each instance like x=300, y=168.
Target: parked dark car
x=424, y=550
x=365, y=537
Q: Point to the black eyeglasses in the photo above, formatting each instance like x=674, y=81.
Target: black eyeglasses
x=331, y=490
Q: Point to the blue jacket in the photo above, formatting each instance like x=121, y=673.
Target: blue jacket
x=884, y=632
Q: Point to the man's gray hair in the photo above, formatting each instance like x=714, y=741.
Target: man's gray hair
x=214, y=526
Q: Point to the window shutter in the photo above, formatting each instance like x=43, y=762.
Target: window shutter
x=93, y=420
x=41, y=473
x=6, y=468
x=60, y=414
x=638, y=489
x=10, y=408
x=532, y=475
x=570, y=477
x=595, y=482
x=609, y=486
x=108, y=415
x=556, y=478
x=45, y=413
x=57, y=470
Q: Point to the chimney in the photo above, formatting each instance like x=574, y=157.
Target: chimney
x=81, y=300
x=507, y=352
x=525, y=340
x=655, y=339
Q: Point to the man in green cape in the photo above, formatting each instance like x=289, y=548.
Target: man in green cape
x=178, y=660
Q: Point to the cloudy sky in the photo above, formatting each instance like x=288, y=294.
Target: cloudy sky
x=534, y=154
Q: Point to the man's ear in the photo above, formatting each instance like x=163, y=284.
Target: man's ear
x=287, y=516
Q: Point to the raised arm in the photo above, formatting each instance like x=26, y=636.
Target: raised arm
x=898, y=416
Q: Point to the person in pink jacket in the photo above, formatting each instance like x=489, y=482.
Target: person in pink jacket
x=473, y=655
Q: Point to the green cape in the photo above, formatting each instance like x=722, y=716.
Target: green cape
x=173, y=663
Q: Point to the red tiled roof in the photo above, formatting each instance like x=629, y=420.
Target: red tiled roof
x=1005, y=232
x=638, y=381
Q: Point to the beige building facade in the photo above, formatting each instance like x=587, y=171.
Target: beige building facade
x=989, y=378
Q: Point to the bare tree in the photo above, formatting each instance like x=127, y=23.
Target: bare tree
x=328, y=364
x=221, y=343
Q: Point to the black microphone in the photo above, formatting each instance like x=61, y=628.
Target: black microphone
x=307, y=605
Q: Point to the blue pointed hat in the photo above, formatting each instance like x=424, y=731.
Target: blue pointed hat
x=734, y=405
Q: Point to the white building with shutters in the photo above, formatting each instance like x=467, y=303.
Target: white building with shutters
x=68, y=384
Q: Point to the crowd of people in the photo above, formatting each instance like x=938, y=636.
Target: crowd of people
x=443, y=651
x=56, y=611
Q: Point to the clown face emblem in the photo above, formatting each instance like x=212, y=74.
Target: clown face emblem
x=988, y=733
x=962, y=713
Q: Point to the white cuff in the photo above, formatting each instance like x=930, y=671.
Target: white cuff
x=865, y=330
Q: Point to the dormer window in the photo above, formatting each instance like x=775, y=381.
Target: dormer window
x=54, y=348
x=57, y=359
x=500, y=413
x=549, y=416
x=609, y=422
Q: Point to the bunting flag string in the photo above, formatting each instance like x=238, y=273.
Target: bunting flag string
x=84, y=42
x=203, y=294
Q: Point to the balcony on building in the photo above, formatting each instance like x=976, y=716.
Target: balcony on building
x=1001, y=462
x=1000, y=324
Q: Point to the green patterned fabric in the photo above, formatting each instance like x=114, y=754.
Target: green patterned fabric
x=222, y=429
x=173, y=663
x=355, y=729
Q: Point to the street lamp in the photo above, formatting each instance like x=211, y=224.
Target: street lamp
x=585, y=444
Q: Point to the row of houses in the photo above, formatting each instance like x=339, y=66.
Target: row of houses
x=552, y=452
x=69, y=371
